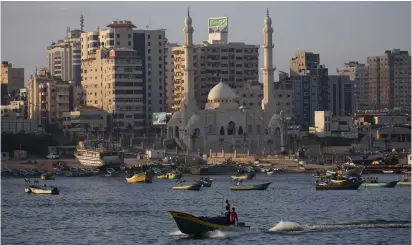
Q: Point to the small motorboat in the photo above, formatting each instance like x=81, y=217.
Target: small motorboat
x=349, y=184
x=198, y=226
x=37, y=189
x=170, y=176
x=48, y=176
x=110, y=172
x=330, y=173
x=387, y=171
x=260, y=187
x=406, y=181
x=244, y=177
x=273, y=171
x=206, y=182
x=193, y=187
x=142, y=177
x=391, y=184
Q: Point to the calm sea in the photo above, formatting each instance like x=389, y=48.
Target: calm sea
x=101, y=210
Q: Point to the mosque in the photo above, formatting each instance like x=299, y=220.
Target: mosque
x=223, y=124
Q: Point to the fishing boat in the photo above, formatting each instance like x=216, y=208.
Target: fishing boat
x=387, y=171
x=347, y=185
x=110, y=172
x=37, y=189
x=48, y=176
x=260, y=187
x=142, y=177
x=380, y=185
x=273, y=171
x=193, y=187
x=170, y=176
x=330, y=173
x=406, y=181
x=244, y=177
x=99, y=153
x=206, y=182
x=198, y=226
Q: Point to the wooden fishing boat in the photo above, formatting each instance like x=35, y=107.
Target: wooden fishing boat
x=193, y=187
x=198, y=226
x=206, y=182
x=380, y=185
x=169, y=176
x=244, y=177
x=143, y=177
x=348, y=185
x=260, y=187
x=48, y=176
x=36, y=189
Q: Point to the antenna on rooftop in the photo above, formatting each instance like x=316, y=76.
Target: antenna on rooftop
x=81, y=23
x=67, y=32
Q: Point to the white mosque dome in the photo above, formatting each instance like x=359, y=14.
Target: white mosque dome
x=195, y=119
x=221, y=91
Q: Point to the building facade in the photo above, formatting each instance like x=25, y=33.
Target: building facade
x=169, y=78
x=390, y=80
x=12, y=78
x=341, y=96
x=358, y=74
x=327, y=125
x=235, y=63
x=85, y=119
x=64, y=57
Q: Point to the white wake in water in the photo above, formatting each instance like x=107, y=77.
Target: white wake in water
x=177, y=233
x=287, y=226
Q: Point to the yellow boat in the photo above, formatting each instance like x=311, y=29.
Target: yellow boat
x=144, y=177
x=338, y=180
x=41, y=190
x=404, y=183
x=168, y=176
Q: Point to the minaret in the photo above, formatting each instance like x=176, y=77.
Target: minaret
x=268, y=103
x=189, y=101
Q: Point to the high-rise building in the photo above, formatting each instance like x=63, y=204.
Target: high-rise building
x=64, y=57
x=390, y=80
x=169, y=78
x=358, y=74
x=341, y=95
x=112, y=81
x=151, y=47
x=308, y=64
x=12, y=79
x=234, y=63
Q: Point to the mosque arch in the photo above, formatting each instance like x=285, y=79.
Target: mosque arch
x=277, y=131
x=196, y=132
x=258, y=128
x=177, y=132
x=222, y=130
x=170, y=132
x=231, y=128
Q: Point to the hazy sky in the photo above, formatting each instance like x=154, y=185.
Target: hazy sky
x=339, y=31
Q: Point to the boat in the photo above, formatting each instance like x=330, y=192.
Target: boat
x=380, y=185
x=273, y=171
x=198, y=226
x=37, y=189
x=48, y=176
x=170, y=176
x=260, y=187
x=387, y=171
x=193, y=187
x=406, y=181
x=99, y=153
x=347, y=185
x=206, y=182
x=330, y=173
x=142, y=177
x=244, y=177
x=319, y=176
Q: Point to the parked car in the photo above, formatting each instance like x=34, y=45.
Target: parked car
x=53, y=156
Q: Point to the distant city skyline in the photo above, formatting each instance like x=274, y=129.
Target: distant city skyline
x=338, y=31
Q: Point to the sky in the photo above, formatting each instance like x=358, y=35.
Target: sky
x=338, y=31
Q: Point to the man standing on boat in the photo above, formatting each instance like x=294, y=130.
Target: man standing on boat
x=233, y=217
x=227, y=211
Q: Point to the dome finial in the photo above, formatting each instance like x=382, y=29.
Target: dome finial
x=267, y=12
x=188, y=11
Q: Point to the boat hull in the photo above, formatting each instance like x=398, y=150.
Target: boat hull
x=197, y=226
x=168, y=176
x=48, y=177
x=94, y=161
x=339, y=186
x=260, y=187
x=380, y=185
x=144, y=177
x=404, y=183
x=194, y=187
x=38, y=190
x=206, y=184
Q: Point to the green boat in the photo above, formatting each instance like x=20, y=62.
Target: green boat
x=198, y=226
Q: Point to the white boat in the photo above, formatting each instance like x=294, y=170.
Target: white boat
x=110, y=172
x=387, y=171
x=330, y=173
x=273, y=171
x=98, y=153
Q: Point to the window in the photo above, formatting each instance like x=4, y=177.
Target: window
x=160, y=51
x=148, y=51
x=160, y=101
x=129, y=36
x=118, y=35
x=160, y=36
x=148, y=36
x=149, y=87
x=118, y=43
x=129, y=43
x=148, y=44
x=160, y=65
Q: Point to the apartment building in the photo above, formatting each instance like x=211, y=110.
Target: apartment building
x=358, y=74
x=85, y=119
x=235, y=63
x=15, y=110
x=77, y=95
x=250, y=95
x=64, y=57
x=284, y=97
x=327, y=125
x=112, y=81
x=390, y=80
x=12, y=79
x=341, y=96
x=169, y=78
x=151, y=46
